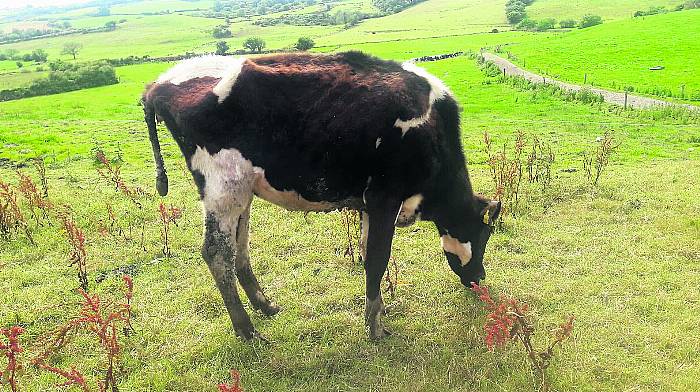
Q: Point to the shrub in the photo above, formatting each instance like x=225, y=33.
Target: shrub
x=11, y=218
x=65, y=77
x=221, y=32
x=11, y=350
x=35, y=200
x=506, y=172
x=567, y=24
x=111, y=25
x=527, y=24
x=76, y=240
x=589, y=20
x=39, y=56
x=304, y=43
x=597, y=161
x=508, y=320
x=101, y=319
x=546, y=24
x=394, y=6
x=254, y=44
x=167, y=216
x=222, y=48
x=233, y=387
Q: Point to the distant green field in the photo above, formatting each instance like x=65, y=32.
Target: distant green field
x=160, y=6
x=153, y=35
x=405, y=49
x=608, y=9
x=19, y=79
x=628, y=274
x=618, y=55
x=428, y=19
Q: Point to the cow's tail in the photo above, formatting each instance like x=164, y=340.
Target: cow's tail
x=161, y=175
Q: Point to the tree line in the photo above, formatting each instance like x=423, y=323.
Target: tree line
x=65, y=77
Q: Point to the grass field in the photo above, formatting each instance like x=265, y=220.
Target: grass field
x=609, y=10
x=618, y=55
x=622, y=257
x=152, y=35
x=427, y=19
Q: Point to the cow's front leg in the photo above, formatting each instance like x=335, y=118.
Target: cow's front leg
x=219, y=252
x=381, y=214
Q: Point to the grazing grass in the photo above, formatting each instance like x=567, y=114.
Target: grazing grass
x=427, y=19
x=618, y=55
x=609, y=10
x=144, y=35
x=622, y=257
x=19, y=79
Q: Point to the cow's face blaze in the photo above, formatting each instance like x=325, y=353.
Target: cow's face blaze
x=464, y=243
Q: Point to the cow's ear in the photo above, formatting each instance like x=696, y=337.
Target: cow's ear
x=490, y=211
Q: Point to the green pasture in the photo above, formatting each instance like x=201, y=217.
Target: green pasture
x=618, y=55
x=142, y=7
x=158, y=35
x=609, y=10
x=432, y=18
x=621, y=257
x=19, y=79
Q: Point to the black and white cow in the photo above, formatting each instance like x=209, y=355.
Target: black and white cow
x=319, y=133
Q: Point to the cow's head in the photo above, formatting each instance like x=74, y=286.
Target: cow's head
x=464, y=236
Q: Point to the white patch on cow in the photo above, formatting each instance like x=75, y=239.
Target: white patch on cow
x=452, y=245
x=407, y=215
x=365, y=234
x=222, y=67
x=378, y=142
x=229, y=179
x=289, y=200
x=437, y=91
x=223, y=88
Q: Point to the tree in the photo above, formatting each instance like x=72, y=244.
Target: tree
x=527, y=24
x=589, y=20
x=567, y=24
x=221, y=32
x=304, y=43
x=221, y=48
x=19, y=64
x=11, y=53
x=71, y=48
x=40, y=56
x=254, y=44
x=546, y=24
x=111, y=25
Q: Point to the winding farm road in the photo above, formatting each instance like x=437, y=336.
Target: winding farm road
x=617, y=98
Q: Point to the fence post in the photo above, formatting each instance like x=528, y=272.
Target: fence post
x=504, y=72
x=625, y=100
x=585, y=78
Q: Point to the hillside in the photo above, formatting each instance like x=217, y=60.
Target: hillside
x=608, y=9
x=618, y=54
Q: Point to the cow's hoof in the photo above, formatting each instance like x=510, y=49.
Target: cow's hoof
x=379, y=333
x=270, y=309
x=251, y=335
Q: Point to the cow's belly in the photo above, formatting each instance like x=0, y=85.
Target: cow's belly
x=293, y=201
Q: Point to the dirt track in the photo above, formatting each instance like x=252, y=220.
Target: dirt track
x=617, y=98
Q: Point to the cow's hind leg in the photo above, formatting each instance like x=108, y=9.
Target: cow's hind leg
x=219, y=252
x=245, y=273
